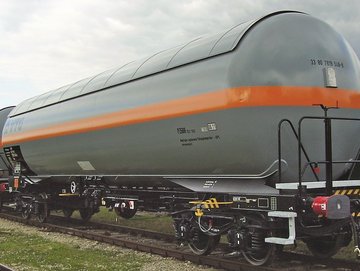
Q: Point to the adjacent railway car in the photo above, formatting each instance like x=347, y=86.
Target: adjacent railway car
x=256, y=127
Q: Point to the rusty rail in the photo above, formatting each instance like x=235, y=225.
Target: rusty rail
x=108, y=233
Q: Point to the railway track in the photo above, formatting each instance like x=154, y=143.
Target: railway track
x=165, y=245
x=5, y=268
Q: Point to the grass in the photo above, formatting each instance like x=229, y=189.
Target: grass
x=28, y=251
x=150, y=221
x=32, y=252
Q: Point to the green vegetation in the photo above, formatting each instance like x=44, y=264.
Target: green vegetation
x=32, y=252
x=150, y=221
x=347, y=253
x=26, y=250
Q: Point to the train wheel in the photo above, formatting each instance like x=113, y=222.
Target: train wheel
x=125, y=211
x=262, y=256
x=25, y=212
x=325, y=247
x=203, y=244
x=43, y=216
x=259, y=252
x=43, y=211
x=216, y=241
x=68, y=212
x=86, y=214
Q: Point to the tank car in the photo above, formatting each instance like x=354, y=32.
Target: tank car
x=250, y=133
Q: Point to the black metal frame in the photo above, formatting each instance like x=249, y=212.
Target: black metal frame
x=301, y=150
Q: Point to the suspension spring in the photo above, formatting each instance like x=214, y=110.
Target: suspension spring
x=257, y=241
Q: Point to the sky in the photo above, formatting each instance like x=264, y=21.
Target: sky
x=45, y=44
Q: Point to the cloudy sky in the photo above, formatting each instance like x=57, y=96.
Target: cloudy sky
x=45, y=44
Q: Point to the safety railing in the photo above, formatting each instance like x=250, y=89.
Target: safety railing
x=301, y=149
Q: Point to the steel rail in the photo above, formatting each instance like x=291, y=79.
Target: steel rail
x=108, y=233
x=5, y=268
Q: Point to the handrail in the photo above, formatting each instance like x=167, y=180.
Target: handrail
x=328, y=147
x=309, y=163
x=297, y=138
x=301, y=149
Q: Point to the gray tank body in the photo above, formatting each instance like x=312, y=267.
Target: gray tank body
x=207, y=108
x=4, y=113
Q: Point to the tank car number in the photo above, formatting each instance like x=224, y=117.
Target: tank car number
x=326, y=63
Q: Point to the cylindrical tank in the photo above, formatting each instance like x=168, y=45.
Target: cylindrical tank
x=208, y=107
x=4, y=164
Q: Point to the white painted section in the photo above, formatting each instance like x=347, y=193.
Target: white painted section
x=315, y=185
x=85, y=165
x=292, y=234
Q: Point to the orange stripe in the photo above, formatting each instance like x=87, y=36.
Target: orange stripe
x=207, y=102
